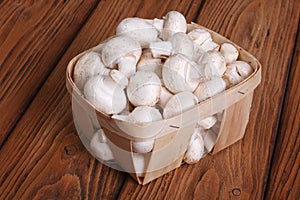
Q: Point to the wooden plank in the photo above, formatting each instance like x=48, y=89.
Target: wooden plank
x=284, y=179
x=268, y=30
x=43, y=157
x=33, y=35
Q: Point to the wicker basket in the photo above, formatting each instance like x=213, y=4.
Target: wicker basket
x=172, y=135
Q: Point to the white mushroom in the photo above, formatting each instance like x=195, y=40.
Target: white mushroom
x=119, y=77
x=161, y=49
x=210, y=46
x=140, y=115
x=182, y=44
x=236, y=72
x=124, y=51
x=212, y=64
x=138, y=29
x=105, y=94
x=88, y=65
x=208, y=122
x=101, y=149
x=148, y=63
x=158, y=24
x=144, y=88
x=165, y=96
x=229, y=52
x=179, y=103
x=174, y=22
x=243, y=68
x=203, y=41
x=180, y=74
x=209, y=138
x=195, y=150
x=210, y=88
x=142, y=146
x=199, y=36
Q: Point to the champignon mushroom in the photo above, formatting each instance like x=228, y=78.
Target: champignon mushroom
x=141, y=115
x=148, y=63
x=144, y=88
x=158, y=24
x=105, y=94
x=161, y=49
x=165, y=96
x=138, y=29
x=199, y=36
x=174, y=22
x=208, y=122
x=122, y=51
x=236, y=72
x=180, y=74
x=119, y=77
x=100, y=148
x=210, y=88
x=88, y=65
x=179, y=103
x=195, y=150
x=229, y=52
x=212, y=64
x=182, y=44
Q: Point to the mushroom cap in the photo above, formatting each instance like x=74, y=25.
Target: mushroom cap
x=158, y=24
x=105, y=94
x=127, y=65
x=144, y=114
x=119, y=77
x=179, y=103
x=165, y=96
x=138, y=29
x=180, y=74
x=174, y=22
x=118, y=47
x=144, y=88
x=195, y=150
x=229, y=52
x=148, y=63
x=88, y=65
x=208, y=122
x=210, y=88
x=100, y=149
x=242, y=67
x=143, y=146
x=212, y=64
x=182, y=44
x=199, y=36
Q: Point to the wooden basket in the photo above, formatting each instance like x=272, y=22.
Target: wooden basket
x=172, y=135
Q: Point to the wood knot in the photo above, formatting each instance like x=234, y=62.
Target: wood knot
x=70, y=149
x=236, y=192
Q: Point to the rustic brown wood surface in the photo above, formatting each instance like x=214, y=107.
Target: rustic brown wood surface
x=33, y=37
x=41, y=155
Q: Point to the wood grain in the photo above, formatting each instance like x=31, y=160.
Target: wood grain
x=44, y=158
x=284, y=178
x=33, y=36
x=38, y=162
x=267, y=29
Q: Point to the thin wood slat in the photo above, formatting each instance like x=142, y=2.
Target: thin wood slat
x=33, y=36
x=267, y=29
x=43, y=157
x=284, y=178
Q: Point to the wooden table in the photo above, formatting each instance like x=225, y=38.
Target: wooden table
x=41, y=155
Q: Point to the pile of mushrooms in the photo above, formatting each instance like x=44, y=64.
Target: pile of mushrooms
x=155, y=69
